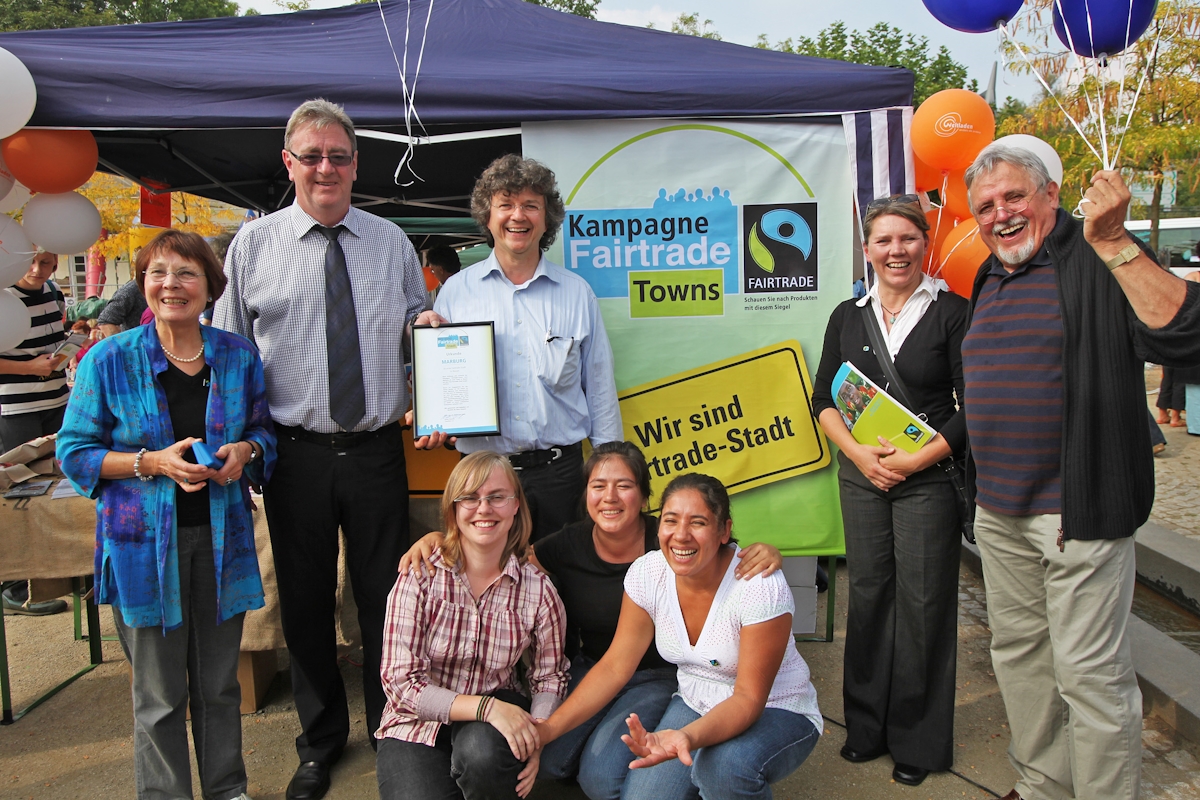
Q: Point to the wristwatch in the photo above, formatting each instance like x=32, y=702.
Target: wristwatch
x=1127, y=254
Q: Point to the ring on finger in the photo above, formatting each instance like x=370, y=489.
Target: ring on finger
x=185, y=480
x=228, y=481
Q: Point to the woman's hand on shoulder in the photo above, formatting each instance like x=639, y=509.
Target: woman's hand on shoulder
x=869, y=461
x=758, y=559
x=418, y=556
x=170, y=463
x=516, y=726
x=655, y=748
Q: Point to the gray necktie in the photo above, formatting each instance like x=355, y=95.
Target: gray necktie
x=347, y=399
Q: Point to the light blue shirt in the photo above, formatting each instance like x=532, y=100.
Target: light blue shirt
x=553, y=362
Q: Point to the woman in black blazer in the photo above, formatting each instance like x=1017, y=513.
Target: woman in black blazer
x=899, y=509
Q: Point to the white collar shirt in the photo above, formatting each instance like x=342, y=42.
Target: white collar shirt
x=909, y=315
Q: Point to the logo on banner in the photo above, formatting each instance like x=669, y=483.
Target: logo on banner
x=780, y=247
x=677, y=258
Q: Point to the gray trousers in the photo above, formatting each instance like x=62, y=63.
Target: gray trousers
x=1060, y=648
x=902, y=551
x=197, y=660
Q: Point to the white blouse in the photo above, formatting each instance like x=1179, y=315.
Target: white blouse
x=707, y=672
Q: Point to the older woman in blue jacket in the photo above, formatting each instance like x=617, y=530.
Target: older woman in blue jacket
x=175, y=539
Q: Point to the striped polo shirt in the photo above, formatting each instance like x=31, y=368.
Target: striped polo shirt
x=1013, y=371
x=24, y=394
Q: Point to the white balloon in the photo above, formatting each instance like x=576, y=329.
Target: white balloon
x=66, y=223
x=17, y=196
x=6, y=179
x=16, y=252
x=14, y=321
x=1039, y=148
x=18, y=96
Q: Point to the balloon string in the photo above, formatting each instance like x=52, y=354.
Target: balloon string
x=958, y=244
x=1049, y=91
x=941, y=196
x=408, y=93
x=1137, y=95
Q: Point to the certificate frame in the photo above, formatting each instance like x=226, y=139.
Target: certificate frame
x=475, y=398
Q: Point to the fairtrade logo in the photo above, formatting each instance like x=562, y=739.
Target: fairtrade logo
x=785, y=227
x=951, y=123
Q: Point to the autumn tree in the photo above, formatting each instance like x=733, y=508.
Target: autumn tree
x=882, y=45
x=1162, y=133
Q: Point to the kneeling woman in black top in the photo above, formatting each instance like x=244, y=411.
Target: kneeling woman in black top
x=900, y=512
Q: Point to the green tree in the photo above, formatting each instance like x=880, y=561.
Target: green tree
x=692, y=25
x=580, y=8
x=882, y=45
x=29, y=15
x=1163, y=132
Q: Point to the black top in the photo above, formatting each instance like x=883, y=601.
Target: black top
x=591, y=589
x=929, y=362
x=187, y=401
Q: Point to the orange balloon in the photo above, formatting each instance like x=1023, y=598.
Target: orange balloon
x=926, y=178
x=51, y=161
x=962, y=254
x=951, y=127
x=431, y=281
x=955, y=200
x=938, y=231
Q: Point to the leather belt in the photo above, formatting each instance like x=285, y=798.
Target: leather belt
x=528, y=459
x=334, y=441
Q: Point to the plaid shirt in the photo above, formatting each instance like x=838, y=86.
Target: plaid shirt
x=439, y=642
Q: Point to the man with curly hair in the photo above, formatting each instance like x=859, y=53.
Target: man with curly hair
x=553, y=360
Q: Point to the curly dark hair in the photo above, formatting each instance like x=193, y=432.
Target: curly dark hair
x=512, y=174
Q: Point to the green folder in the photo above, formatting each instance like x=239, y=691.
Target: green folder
x=870, y=412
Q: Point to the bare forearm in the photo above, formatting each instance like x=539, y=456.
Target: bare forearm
x=11, y=367
x=117, y=466
x=599, y=686
x=727, y=719
x=1155, y=294
x=835, y=428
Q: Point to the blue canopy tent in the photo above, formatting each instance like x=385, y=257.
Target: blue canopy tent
x=199, y=106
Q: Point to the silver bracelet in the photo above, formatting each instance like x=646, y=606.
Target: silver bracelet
x=137, y=463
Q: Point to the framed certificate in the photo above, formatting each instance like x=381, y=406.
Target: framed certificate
x=454, y=380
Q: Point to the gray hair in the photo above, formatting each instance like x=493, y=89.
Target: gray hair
x=319, y=113
x=998, y=153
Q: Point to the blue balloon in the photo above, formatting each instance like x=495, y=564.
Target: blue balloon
x=973, y=16
x=1115, y=24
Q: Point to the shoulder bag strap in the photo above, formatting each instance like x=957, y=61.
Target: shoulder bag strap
x=884, y=356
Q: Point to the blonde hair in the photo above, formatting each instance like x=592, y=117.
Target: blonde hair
x=468, y=475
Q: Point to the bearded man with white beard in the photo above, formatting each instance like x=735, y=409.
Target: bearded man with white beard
x=1063, y=315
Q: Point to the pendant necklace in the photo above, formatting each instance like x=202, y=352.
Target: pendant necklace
x=894, y=314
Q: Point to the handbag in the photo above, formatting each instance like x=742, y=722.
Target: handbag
x=955, y=468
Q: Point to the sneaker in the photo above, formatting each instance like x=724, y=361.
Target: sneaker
x=42, y=609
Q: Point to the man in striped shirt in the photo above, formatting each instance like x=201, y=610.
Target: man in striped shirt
x=33, y=393
x=1062, y=317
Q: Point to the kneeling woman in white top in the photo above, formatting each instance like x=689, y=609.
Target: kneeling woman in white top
x=746, y=713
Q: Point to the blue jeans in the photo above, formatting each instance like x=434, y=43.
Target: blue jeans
x=742, y=767
x=593, y=753
x=200, y=655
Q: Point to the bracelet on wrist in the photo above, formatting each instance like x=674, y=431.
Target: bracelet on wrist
x=479, y=712
x=137, y=467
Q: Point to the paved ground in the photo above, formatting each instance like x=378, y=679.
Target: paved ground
x=78, y=744
x=1177, y=473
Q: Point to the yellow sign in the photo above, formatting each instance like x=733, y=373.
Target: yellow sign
x=746, y=420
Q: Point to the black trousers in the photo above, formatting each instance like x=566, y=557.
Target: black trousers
x=314, y=491
x=902, y=551
x=555, y=493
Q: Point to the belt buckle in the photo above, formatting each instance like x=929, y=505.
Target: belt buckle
x=557, y=451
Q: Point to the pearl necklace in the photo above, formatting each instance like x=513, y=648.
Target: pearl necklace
x=182, y=360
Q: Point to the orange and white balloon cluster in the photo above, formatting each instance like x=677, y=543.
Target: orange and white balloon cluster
x=49, y=164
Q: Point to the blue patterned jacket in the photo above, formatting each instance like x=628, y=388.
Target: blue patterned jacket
x=119, y=405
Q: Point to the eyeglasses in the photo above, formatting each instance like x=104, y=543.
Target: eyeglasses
x=894, y=200
x=1013, y=204
x=528, y=208
x=313, y=159
x=185, y=275
x=498, y=502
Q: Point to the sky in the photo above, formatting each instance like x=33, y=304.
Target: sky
x=741, y=21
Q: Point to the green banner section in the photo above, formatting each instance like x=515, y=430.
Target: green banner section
x=677, y=293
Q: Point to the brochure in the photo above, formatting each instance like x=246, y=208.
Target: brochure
x=870, y=412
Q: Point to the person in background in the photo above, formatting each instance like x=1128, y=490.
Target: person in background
x=458, y=722
x=33, y=391
x=901, y=513
x=444, y=262
x=1064, y=478
x=124, y=311
x=175, y=552
x=553, y=359
x=327, y=292
x=588, y=561
x=746, y=714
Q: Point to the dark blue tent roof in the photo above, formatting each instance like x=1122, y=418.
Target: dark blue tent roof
x=198, y=105
x=485, y=62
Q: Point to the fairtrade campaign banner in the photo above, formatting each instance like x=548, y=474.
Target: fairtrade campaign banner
x=717, y=250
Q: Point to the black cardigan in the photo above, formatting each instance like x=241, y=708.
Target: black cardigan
x=1107, y=465
x=929, y=362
